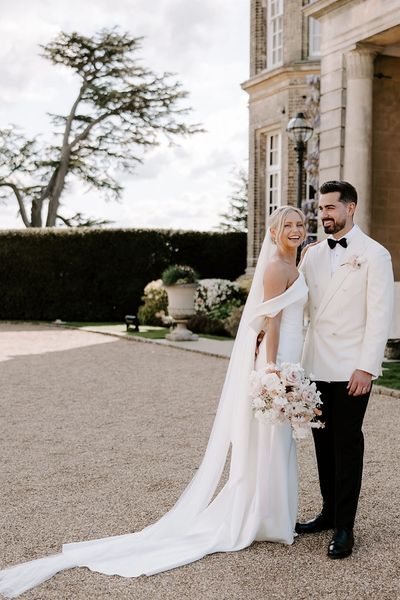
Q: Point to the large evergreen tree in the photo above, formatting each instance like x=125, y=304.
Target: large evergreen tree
x=235, y=219
x=121, y=109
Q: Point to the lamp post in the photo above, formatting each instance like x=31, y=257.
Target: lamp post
x=299, y=131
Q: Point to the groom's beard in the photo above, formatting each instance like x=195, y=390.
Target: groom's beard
x=331, y=226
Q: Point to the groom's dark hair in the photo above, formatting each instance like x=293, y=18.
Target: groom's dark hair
x=347, y=192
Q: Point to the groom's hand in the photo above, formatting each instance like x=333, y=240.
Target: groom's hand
x=360, y=383
x=306, y=248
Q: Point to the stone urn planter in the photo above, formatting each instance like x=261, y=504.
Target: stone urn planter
x=392, y=350
x=181, y=308
x=180, y=284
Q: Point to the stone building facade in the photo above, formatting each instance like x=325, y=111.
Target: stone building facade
x=355, y=47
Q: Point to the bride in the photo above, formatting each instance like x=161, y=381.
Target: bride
x=259, y=499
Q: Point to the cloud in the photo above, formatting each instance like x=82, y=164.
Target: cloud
x=190, y=23
x=157, y=160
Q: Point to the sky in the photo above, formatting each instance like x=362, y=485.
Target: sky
x=205, y=42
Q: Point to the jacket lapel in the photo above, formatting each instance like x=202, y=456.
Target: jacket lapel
x=355, y=248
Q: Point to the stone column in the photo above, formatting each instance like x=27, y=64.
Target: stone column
x=358, y=132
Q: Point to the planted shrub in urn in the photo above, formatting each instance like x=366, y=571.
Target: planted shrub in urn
x=180, y=282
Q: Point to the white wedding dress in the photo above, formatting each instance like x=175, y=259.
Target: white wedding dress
x=259, y=499
x=277, y=448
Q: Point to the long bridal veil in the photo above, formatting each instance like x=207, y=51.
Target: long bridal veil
x=202, y=521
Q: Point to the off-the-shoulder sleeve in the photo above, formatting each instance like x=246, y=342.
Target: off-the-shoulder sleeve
x=270, y=308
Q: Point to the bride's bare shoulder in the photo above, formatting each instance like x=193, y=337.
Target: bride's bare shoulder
x=276, y=267
x=276, y=277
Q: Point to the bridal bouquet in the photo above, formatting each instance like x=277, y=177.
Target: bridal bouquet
x=287, y=397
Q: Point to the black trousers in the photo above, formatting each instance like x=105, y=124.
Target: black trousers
x=339, y=448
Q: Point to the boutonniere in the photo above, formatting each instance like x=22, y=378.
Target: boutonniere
x=355, y=262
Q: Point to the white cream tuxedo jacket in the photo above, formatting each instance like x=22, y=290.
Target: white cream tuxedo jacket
x=350, y=311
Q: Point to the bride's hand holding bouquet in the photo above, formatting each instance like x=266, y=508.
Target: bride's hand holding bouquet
x=285, y=395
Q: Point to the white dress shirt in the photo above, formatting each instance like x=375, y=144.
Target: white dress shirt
x=338, y=251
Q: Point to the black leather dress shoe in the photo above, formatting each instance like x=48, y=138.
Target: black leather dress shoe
x=341, y=544
x=320, y=523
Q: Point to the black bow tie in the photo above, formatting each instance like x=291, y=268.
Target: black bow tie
x=332, y=243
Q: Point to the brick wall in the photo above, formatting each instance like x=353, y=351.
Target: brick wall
x=274, y=99
x=258, y=37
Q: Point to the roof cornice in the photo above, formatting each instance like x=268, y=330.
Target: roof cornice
x=319, y=8
x=281, y=73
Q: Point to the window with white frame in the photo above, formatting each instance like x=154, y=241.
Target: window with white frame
x=274, y=33
x=314, y=37
x=273, y=172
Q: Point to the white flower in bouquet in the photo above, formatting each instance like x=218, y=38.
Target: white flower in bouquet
x=268, y=396
x=258, y=402
x=307, y=394
x=289, y=397
x=272, y=382
x=280, y=401
x=292, y=373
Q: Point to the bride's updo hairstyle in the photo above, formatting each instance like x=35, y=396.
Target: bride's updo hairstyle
x=277, y=219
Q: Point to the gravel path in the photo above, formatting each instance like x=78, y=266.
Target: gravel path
x=99, y=436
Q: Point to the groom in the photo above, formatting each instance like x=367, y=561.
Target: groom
x=350, y=281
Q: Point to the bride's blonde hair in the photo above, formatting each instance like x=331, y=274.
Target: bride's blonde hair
x=276, y=219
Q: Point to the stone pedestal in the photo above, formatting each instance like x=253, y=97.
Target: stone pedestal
x=181, y=333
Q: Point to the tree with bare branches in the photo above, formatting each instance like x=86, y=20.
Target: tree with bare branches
x=121, y=109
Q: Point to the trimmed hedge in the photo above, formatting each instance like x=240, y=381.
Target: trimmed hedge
x=88, y=274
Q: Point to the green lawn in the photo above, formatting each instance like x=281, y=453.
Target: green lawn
x=153, y=333
x=159, y=334
x=391, y=375
x=89, y=324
